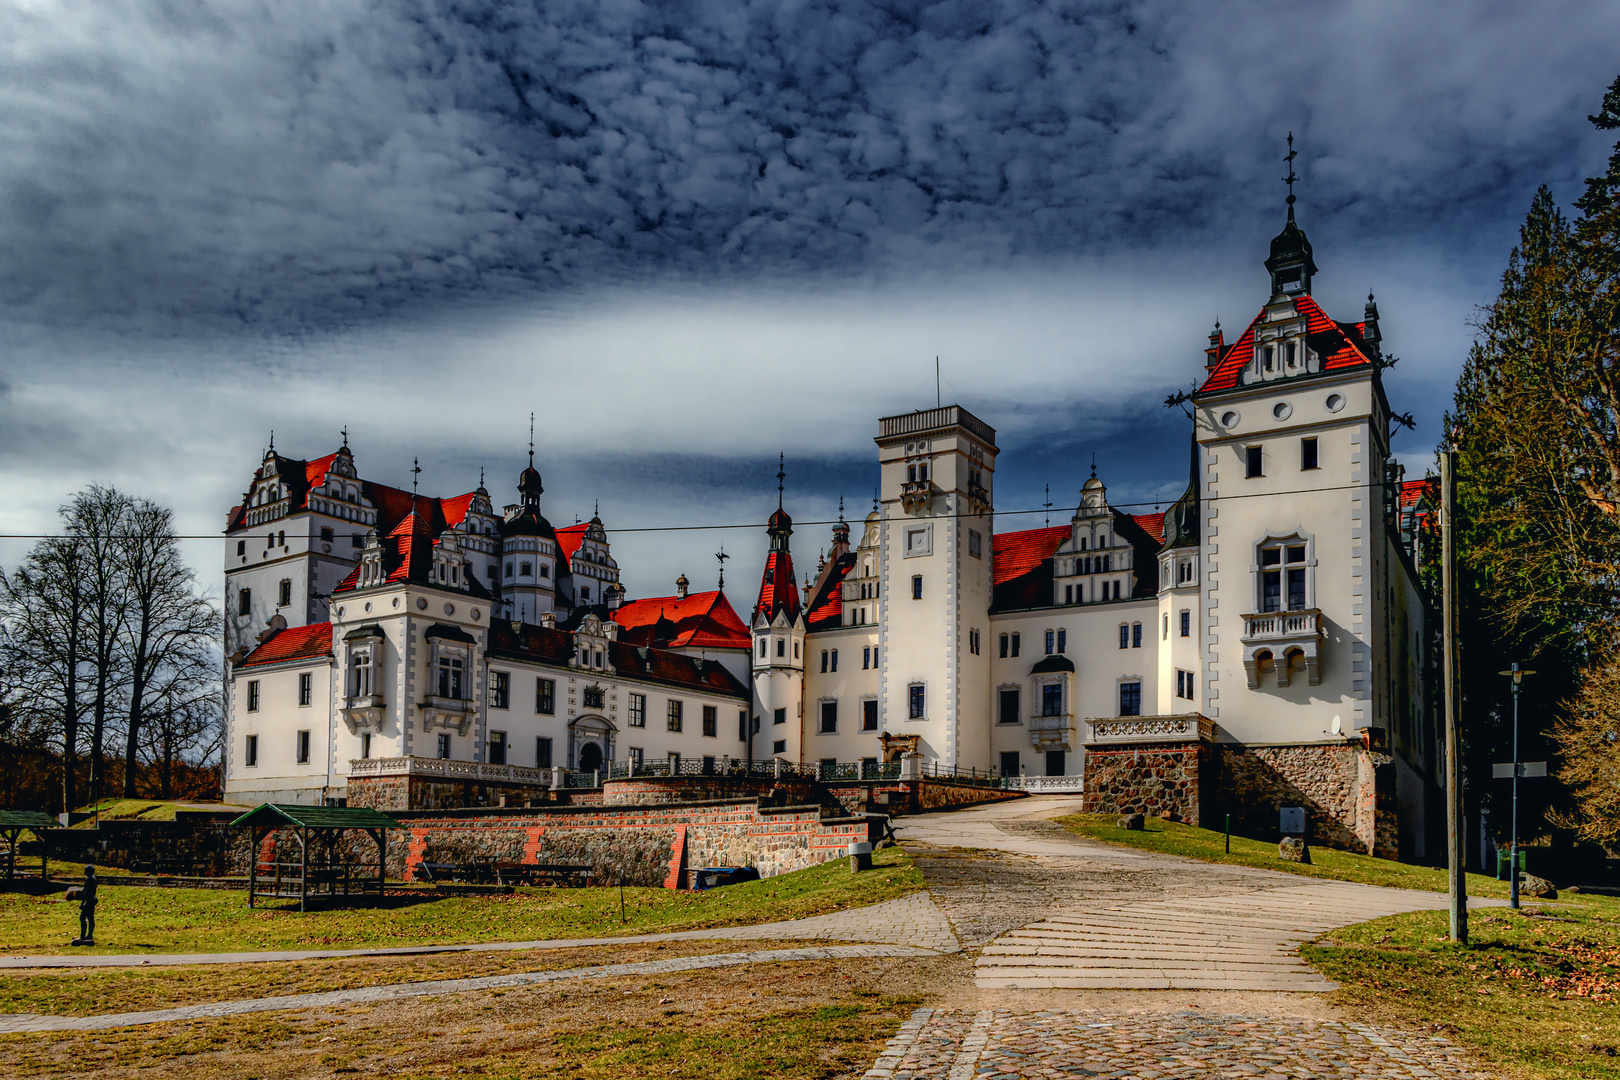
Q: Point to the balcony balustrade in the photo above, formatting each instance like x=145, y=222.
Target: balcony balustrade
x=1283, y=641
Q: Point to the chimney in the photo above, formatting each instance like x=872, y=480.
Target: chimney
x=611, y=630
x=548, y=619
x=1217, y=344
x=681, y=586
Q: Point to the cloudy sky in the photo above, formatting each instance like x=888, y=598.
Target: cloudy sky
x=691, y=236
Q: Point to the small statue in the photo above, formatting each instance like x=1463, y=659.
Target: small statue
x=87, y=908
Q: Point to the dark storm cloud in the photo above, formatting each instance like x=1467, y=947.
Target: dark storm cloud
x=306, y=163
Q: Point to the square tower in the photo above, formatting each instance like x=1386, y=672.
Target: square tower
x=938, y=468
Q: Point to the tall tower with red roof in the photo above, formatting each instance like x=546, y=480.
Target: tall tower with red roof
x=778, y=633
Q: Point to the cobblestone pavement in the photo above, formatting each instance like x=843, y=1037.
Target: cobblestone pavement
x=1004, y=1044
x=25, y=1022
x=913, y=920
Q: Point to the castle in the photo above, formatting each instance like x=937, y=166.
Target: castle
x=1261, y=644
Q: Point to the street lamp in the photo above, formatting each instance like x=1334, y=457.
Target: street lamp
x=1517, y=674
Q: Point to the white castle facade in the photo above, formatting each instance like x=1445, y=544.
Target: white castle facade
x=1260, y=644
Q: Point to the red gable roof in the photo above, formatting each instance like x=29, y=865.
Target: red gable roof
x=302, y=477
x=827, y=610
x=1152, y=524
x=570, y=538
x=539, y=644
x=1337, y=343
x=777, y=589
x=702, y=620
x=1414, y=490
x=1016, y=554
x=408, y=555
x=294, y=643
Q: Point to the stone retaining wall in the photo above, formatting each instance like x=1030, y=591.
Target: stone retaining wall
x=1348, y=793
x=1159, y=780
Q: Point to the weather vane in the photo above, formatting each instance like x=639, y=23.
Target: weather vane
x=721, y=556
x=345, y=434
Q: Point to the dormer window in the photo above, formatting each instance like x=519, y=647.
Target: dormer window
x=1290, y=351
x=1268, y=355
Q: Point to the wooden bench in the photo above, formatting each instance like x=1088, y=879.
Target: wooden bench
x=559, y=875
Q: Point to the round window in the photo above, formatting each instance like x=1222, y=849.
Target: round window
x=396, y=601
x=475, y=614
x=1335, y=402
x=340, y=613
x=368, y=605
x=421, y=603
x=449, y=609
x=1229, y=418
x=1282, y=410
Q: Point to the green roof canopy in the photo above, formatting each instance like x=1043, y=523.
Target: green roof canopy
x=318, y=817
x=26, y=819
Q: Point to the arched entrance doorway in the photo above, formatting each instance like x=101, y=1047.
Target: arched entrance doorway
x=590, y=743
x=590, y=758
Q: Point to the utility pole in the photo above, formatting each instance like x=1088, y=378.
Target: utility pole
x=1456, y=839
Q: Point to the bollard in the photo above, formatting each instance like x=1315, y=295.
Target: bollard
x=1229, y=834
x=860, y=856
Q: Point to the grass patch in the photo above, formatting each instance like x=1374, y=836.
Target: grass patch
x=132, y=919
x=1534, y=992
x=1174, y=838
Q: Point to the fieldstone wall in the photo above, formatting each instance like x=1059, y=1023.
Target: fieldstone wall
x=390, y=793
x=663, y=790
x=1159, y=780
x=1348, y=793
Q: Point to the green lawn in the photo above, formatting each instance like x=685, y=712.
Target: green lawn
x=1174, y=838
x=1534, y=992
x=131, y=919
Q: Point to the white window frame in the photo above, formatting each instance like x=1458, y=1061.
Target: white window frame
x=1283, y=539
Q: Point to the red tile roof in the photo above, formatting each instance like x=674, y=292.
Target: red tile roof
x=1414, y=490
x=301, y=477
x=539, y=644
x=408, y=556
x=1337, y=343
x=1152, y=524
x=702, y=620
x=309, y=642
x=827, y=610
x=1016, y=554
x=571, y=538
x=777, y=589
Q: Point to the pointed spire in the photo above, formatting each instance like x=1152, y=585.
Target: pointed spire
x=272, y=449
x=531, y=440
x=1094, y=464
x=781, y=475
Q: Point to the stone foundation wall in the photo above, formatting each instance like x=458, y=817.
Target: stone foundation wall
x=1348, y=793
x=661, y=790
x=1159, y=780
x=390, y=793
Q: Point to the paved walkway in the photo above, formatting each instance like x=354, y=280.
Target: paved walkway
x=1053, y=910
x=1007, y=1044
x=24, y=1022
x=914, y=921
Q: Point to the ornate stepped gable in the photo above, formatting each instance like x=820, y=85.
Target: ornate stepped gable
x=410, y=553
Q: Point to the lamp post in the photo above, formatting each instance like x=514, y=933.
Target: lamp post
x=1517, y=674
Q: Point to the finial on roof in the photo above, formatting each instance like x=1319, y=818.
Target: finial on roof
x=875, y=492
x=272, y=440
x=345, y=433
x=781, y=475
x=480, y=476
x=1048, y=504
x=416, y=472
x=721, y=557
x=531, y=440
x=1094, y=464
x=597, y=512
x=1292, y=176
x=840, y=509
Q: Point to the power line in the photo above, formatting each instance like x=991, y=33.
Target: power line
x=760, y=525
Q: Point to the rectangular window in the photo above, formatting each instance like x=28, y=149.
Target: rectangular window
x=1068, y=594
x=1184, y=685
x=1009, y=763
x=542, y=753
x=673, y=720
x=866, y=658
x=762, y=648
x=284, y=597
x=1307, y=454
x=545, y=696
x=1007, y=706
x=829, y=717
x=244, y=602
x=1270, y=579
x=356, y=540
x=779, y=746
x=545, y=570
x=869, y=719
x=975, y=544
x=1130, y=699
x=500, y=690
x=778, y=716
x=1015, y=641
x=635, y=755
x=253, y=695
x=306, y=688
x=835, y=659
x=638, y=710
x=915, y=702
x=823, y=661
x=1004, y=646
x=444, y=746
x=1052, y=699
x=250, y=751
x=451, y=669
x=326, y=536
x=1296, y=588
x=1251, y=461
x=781, y=646
x=508, y=571
x=711, y=721
x=1124, y=635
x=365, y=744
x=1063, y=641
x=241, y=547
x=497, y=748
x=708, y=764
x=916, y=586
x=742, y=725
x=1050, y=640
x=1136, y=635
x=874, y=656
x=1186, y=624
x=525, y=570
x=303, y=748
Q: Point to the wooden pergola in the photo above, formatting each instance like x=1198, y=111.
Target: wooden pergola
x=12, y=823
x=318, y=873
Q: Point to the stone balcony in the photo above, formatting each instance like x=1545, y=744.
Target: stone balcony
x=1283, y=641
x=1126, y=730
x=916, y=495
x=450, y=769
x=364, y=713
x=1052, y=732
x=452, y=714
